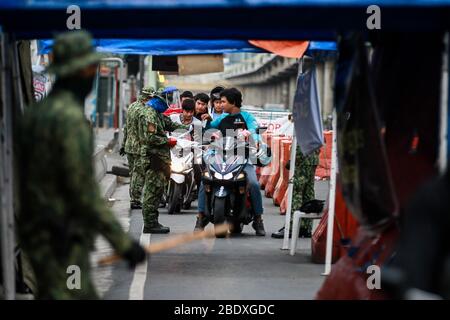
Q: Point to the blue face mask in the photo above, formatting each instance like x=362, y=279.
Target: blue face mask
x=158, y=104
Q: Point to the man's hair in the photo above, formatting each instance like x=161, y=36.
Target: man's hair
x=187, y=94
x=215, y=93
x=203, y=97
x=233, y=95
x=188, y=105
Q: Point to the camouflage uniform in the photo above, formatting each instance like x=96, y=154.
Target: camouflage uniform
x=62, y=211
x=305, y=168
x=132, y=147
x=155, y=159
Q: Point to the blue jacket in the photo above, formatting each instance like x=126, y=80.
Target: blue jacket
x=249, y=119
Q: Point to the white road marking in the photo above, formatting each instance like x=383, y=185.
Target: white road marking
x=140, y=274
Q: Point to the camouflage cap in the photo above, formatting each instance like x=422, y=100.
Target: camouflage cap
x=148, y=91
x=72, y=51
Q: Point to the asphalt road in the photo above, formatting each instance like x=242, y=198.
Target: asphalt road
x=239, y=267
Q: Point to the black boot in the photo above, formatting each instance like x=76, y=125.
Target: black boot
x=258, y=225
x=135, y=205
x=200, y=224
x=280, y=234
x=156, y=228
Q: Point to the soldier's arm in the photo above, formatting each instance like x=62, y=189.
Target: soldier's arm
x=125, y=135
x=82, y=188
x=149, y=132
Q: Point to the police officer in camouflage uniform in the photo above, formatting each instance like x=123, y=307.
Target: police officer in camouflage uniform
x=303, y=191
x=131, y=147
x=61, y=210
x=155, y=159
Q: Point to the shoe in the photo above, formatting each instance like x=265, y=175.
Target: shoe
x=280, y=234
x=161, y=205
x=156, y=228
x=302, y=234
x=135, y=205
x=258, y=225
x=200, y=224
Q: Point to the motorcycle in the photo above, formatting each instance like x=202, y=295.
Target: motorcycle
x=180, y=192
x=225, y=182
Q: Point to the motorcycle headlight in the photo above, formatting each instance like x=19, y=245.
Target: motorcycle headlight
x=177, y=167
x=217, y=175
x=240, y=176
x=228, y=176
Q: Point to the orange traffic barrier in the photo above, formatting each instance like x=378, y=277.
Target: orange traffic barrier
x=283, y=204
x=324, y=168
x=267, y=170
x=282, y=184
x=345, y=228
x=275, y=174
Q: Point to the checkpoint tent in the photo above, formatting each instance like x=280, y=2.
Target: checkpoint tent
x=241, y=19
x=252, y=19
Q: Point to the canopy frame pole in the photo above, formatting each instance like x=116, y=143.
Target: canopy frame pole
x=331, y=199
x=6, y=172
x=444, y=144
x=287, y=221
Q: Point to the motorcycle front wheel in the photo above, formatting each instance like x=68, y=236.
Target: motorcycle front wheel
x=219, y=214
x=174, y=200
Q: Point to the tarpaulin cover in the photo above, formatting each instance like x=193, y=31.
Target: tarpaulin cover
x=179, y=46
x=307, y=115
x=170, y=4
x=318, y=20
x=288, y=49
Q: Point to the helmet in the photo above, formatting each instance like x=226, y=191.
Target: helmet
x=72, y=51
x=158, y=103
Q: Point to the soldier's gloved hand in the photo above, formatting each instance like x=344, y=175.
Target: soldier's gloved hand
x=172, y=142
x=135, y=254
x=122, y=151
x=288, y=165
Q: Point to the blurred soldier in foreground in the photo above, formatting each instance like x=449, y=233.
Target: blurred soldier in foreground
x=131, y=147
x=155, y=159
x=61, y=209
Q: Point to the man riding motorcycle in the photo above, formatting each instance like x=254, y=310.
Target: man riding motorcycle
x=187, y=118
x=233, y=119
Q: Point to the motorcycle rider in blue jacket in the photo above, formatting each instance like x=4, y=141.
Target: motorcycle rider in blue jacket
x=233, y=119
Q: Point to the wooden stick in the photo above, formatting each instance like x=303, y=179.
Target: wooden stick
x=173, y=242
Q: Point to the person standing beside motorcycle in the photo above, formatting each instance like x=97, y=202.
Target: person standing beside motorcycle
x=155, y=159
x=234, y=119
x=130, y=147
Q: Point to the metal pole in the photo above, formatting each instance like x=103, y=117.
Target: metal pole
x=443, y=145
x=6, y=174
x=287, y=222
x=331, y=199
x=121, y=100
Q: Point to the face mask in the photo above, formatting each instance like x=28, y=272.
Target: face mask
x=158, y=104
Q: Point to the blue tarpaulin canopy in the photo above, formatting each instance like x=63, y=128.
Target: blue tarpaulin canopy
x=168, y=4
x=179, y=46
x=220, y=19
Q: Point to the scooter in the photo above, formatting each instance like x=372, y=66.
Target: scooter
x=180, y=193
x=225, y=182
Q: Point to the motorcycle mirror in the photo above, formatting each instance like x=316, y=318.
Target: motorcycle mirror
x=261, y=129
